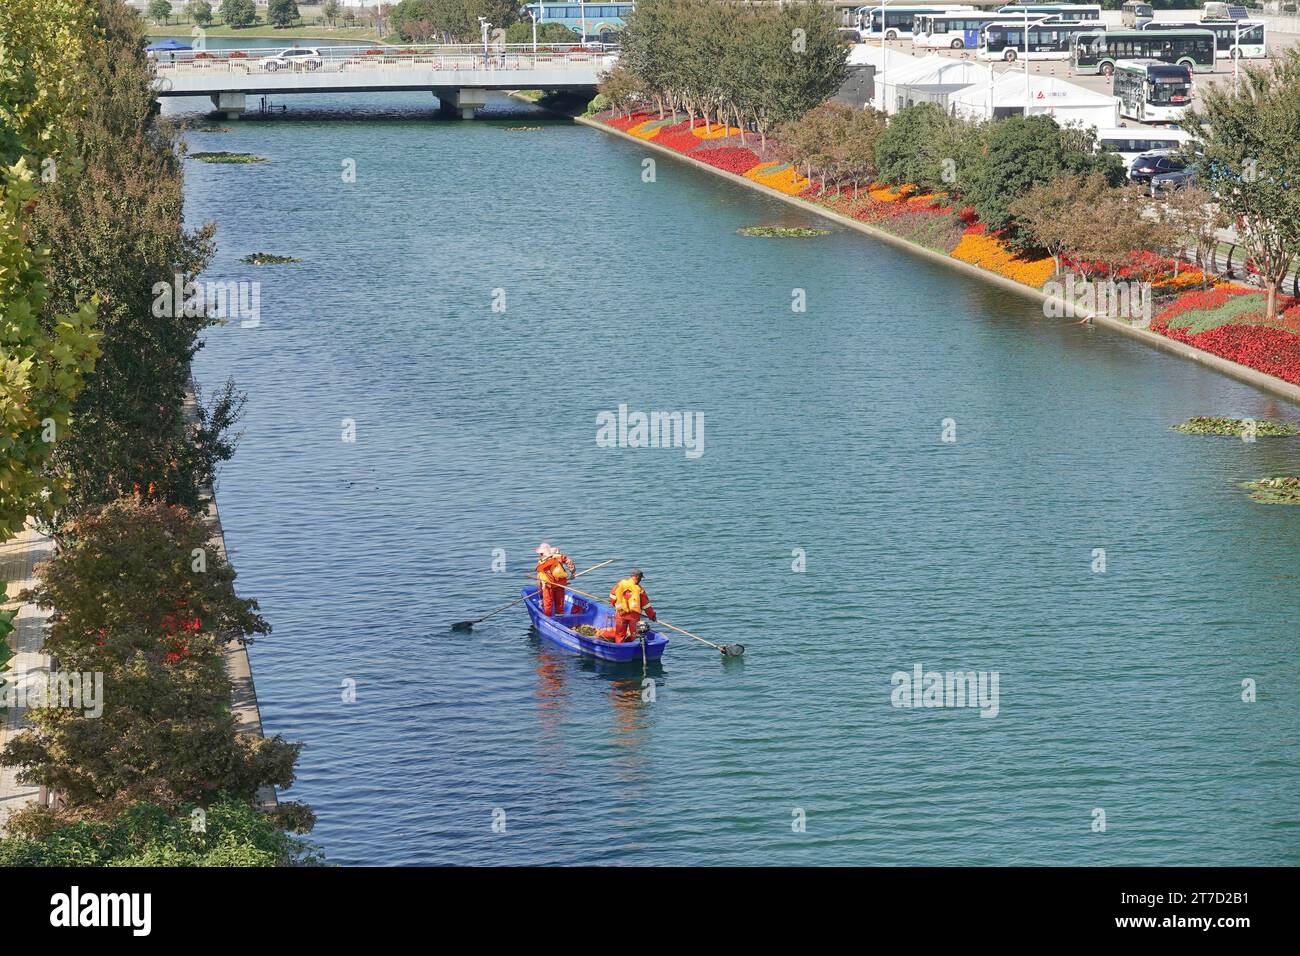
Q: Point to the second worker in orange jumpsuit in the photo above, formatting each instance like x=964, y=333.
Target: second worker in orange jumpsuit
x=554, y=568
x=630, y=602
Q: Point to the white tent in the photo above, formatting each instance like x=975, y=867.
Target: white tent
x=1067, y=103
x=932, y=72
x=871, y=54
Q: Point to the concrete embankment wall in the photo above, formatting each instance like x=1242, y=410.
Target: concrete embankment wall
x=1268, y=383
x=243, y=695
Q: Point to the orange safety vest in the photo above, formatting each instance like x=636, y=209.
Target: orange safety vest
x=629, y=597
x=552, y=570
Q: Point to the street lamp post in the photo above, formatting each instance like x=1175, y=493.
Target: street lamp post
x=533, y=16
x=582, y=15
x=1027, y=62
x=484, y=26
x=884, y=55
x=1236, y=54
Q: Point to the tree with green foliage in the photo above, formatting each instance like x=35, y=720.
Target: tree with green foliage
x=48, y=344
x=138, y=595
x=1020, y=153
x=281, y=13
x=1248, y=138
x=116, y=231
x=200, y=11
x=228, y=832
x=238, y=13
x=330, y=10
x=927, y=148
x=160, y=11
x=720, y=61
x=452, y=21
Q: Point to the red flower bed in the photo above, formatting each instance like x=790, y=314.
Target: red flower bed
x=733, y=159
x=623, y=122
x=678, y=137
x=1273, y=351
x=967, y=215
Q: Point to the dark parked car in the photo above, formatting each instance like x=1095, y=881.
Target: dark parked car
x=1156, y=163
x=1175, y=179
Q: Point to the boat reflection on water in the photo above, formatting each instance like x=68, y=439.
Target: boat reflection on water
x=628, y=688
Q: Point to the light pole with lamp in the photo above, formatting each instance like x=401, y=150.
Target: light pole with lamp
x=884, y=55
x=582, y=15
x=484, y=26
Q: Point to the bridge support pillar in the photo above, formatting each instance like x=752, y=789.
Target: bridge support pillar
x=458, y=102
x=230, y=104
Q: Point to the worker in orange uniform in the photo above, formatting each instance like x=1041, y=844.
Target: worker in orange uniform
x=630, y=602
x=554, y=568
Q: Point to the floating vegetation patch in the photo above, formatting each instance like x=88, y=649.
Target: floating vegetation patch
x=212, y=129
x=1235, y=427
x=267, y=259
x=586, y=630
x=782, y=232
x=224, y=157
x=522, y=129
x=1282, y=490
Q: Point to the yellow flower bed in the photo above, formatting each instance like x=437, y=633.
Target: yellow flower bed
x=988, y=253
x=786, y=180
x=715, y=132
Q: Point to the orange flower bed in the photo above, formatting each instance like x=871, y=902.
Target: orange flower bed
x=716, y=131
x=786, y=180
x=990, y=253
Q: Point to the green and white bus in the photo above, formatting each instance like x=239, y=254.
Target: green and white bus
x=1099, y=52
x=1233, y=38
x=1153, y=92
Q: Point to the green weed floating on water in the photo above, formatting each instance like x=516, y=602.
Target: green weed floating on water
x=1282, y=490
x=267, y=259
x=1235, y=427
x=224, y=157
x=522, y=129
x=782, y=232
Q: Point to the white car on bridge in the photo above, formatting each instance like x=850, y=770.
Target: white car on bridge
x=294, y=58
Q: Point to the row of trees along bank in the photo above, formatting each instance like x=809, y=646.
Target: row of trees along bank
x=1037, y=186
x=753, y=66
x=94, y=444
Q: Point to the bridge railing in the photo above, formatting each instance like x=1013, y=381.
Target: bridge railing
x=336, y=59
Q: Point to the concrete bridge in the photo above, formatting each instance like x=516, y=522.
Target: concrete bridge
x=459, y=76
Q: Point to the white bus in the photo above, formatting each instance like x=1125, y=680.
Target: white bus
x=1130, y=142
x=895, y=22
x=1048, y=40
x=1232, y=38
x=1153, y=92
x=1134, y=14
x=960, y=31
x=1056, y=11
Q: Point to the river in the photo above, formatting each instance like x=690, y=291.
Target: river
x=1120, y=690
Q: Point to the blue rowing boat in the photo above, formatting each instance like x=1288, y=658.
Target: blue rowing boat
x=560, y=629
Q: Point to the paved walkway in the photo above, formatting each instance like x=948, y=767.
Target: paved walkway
x=18, y=559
